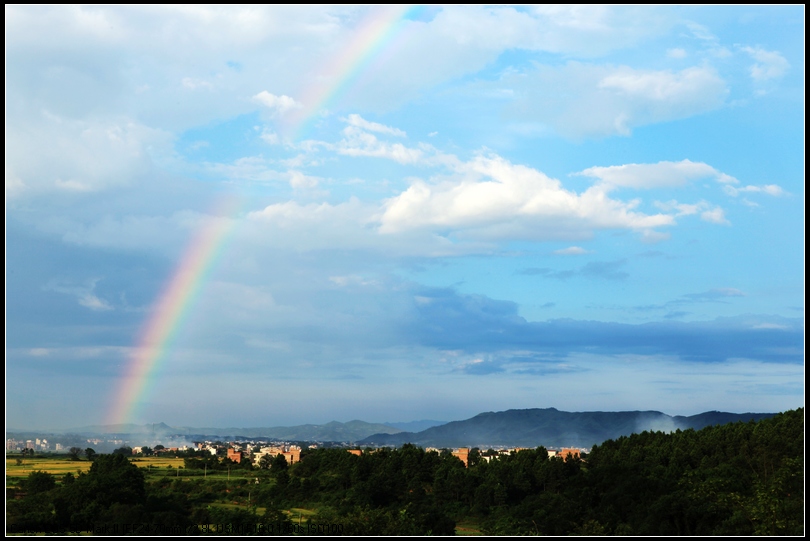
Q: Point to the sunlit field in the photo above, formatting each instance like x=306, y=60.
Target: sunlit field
x=158, y=462
x=58, y=466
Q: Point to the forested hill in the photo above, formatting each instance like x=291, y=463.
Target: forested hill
x=553, y=428
x=734, y=479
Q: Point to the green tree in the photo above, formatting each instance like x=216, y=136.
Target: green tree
x=474, y=458
x=112, y=491
x=39, y=481
x=279, y=463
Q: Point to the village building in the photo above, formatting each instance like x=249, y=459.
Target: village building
x=292, y=453
x=463, y=454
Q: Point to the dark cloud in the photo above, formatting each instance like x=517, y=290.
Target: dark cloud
x=41, y=311
x=526, y=363
x=448, y=320
x=712, y=295
x=604, y=269
x=715, y=294
x=608, y=270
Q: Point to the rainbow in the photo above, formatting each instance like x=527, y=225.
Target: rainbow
x=379, y=31
x=169, y=313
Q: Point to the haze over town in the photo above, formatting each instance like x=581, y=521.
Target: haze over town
x=221, y=216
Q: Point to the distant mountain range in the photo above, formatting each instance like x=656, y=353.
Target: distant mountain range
x=333, y=431
x=513, y=428
x=552, y=428
x=415, y=426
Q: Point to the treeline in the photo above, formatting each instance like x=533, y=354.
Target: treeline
x=736, y=479
x=113, y=492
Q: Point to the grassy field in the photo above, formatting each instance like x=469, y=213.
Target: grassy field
x=55, y=466
x=466, y=527
x=297, y=514
x=155, y=466
x=158, y=462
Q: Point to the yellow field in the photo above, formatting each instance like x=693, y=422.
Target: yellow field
x=54, y=466
x=158, y=462
x=60, y=466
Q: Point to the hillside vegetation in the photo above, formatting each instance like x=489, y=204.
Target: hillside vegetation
x=734, y=479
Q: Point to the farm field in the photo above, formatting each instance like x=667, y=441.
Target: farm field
x=155, y=466
x=466, y=527
x=157, y=462
x=57, y=466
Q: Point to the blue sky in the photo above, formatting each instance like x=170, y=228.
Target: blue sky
x=595, y=208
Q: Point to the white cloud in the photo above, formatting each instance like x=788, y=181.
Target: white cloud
x=85, y=294
x=700, y=32
x=300, y=181
x=14, y=186
x=593, y=30
x=715, y=216
x=352, y=280
x=252, y=168
x=729, y=291
x=655, y=175
x=585, y=100
x=115, y=52
x=650, y=236
x=769, y=189
x=494, y=199
x=94, y=303
x=193, y=84
x=676, y=53
x=351, y=225
x=572, y=250
x=279, y=105
x=270, y=137
x=769, y=64
x=312, y=226
x=775, y=326
x=681, y=209
x=73, y=185
x=257, y=169
x=360, y=122
x=480, y=201
x=358, y=142
x=51, y=153
x=660, y=86
x=707, y=213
